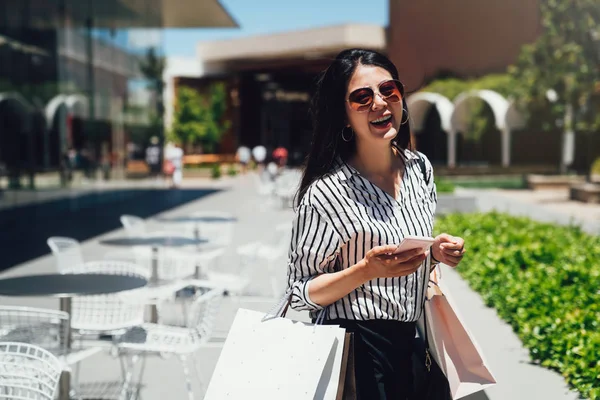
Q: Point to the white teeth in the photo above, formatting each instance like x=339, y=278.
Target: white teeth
x=385, y=118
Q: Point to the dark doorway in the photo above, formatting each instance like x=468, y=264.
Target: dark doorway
x=432, y=140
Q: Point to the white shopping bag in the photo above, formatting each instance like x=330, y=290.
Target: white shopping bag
x=277, y=358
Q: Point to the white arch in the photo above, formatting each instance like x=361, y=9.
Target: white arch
x=420, y=103
x=506, y=116
x=5, y=96
x=77, y=105
x=495, y=100
x=53, y=106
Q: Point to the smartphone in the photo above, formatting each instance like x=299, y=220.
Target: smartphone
x=414, y=242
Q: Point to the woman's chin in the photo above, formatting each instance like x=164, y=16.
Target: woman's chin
x=386, y=134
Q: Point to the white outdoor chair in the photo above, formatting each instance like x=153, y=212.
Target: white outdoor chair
x=183, y=342
x=35, y=326
x=172, y=263
x=28, y=372
x=256, y=255
x=109, y=314
x=67, y=252
x=134, y=226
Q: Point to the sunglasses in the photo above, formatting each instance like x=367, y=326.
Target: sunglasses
x=362, y=99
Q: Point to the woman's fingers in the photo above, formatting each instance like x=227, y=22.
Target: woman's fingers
x=379, y=250
x=400, y=257
x=453, y=253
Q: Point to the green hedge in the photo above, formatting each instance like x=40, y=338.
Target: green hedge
x=443, y=185
x=542, y=279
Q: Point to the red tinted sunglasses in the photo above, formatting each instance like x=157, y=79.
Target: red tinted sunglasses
x=362, y=99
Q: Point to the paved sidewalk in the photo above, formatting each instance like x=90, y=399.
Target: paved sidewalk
x=541, y=205
x=256, y=217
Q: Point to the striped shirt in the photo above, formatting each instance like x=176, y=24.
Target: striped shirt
x=340, y=218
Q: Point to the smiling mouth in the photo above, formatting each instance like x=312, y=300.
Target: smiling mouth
x=383, y=121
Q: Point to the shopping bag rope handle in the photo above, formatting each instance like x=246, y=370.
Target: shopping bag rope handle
x=281, y=307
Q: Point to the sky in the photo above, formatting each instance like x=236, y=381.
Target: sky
x=269, y=16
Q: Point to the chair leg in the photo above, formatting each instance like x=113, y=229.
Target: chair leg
x=186, y=372
x=129, y=372
x=197, y=373
x=140, y=376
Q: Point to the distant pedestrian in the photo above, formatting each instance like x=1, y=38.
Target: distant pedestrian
x=280, y=156
x=260, y=154
x=244, y=155
x=153, y=157
x=174, y=156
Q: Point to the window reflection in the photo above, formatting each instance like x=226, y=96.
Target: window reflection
x=73, y=98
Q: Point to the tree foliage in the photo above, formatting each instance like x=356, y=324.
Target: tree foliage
x=565, y=59
x=199, y=119
x=504, y=84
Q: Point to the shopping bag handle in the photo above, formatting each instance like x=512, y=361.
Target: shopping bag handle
x=280, y=310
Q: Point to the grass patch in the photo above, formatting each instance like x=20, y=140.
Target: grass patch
x=515, y=182
x=544, y=280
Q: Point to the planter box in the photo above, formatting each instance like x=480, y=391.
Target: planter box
x=452, y=203
x=535, y=182
x=197, y=173
x=587, y=193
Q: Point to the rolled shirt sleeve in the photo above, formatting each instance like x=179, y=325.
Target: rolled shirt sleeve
x=313, y=250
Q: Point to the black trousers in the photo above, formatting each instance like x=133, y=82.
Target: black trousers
x=382, y=357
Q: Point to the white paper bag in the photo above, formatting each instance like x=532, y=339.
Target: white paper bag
x=277, y=359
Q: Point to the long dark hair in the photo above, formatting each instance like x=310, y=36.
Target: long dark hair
x=329, y=118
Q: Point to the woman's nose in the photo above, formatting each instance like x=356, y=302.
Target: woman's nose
x=378, y=101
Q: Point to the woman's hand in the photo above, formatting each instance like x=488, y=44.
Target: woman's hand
x=448, y=249
x=381, y=263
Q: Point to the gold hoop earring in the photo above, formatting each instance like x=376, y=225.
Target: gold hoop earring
x=344, y=137
x=405, y=112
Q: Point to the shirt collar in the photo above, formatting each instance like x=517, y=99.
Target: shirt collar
x=343, y=170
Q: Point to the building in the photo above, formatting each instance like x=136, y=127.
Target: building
x=270, y=80
x=71, y=89
x=271, y=76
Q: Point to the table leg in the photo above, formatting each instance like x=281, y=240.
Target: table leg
x=154, y=279
x=64, y=389
x=154, y=263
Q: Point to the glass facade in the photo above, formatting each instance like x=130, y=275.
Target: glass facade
x=74, y=99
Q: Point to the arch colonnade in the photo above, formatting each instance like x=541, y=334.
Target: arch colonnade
x=454, y=117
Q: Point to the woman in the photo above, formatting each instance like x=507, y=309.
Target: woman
x=362, y=191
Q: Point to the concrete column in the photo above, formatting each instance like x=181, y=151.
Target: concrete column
x=506, y=147
x=451, y=148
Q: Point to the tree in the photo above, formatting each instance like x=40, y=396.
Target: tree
x=560, y=72
x=152, y=68
x=200, y=119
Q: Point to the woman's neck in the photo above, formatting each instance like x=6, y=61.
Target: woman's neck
x=376, y=161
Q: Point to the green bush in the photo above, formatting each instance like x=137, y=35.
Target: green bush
x=595, y=168
x=444, y=185
x=232, y=170
x=215, y=171
x=543, y=280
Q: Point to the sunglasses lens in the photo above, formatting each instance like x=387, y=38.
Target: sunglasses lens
x=361, y=99
x=391, y=91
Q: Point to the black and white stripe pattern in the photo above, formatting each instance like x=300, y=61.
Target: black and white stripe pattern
x=340, y=218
